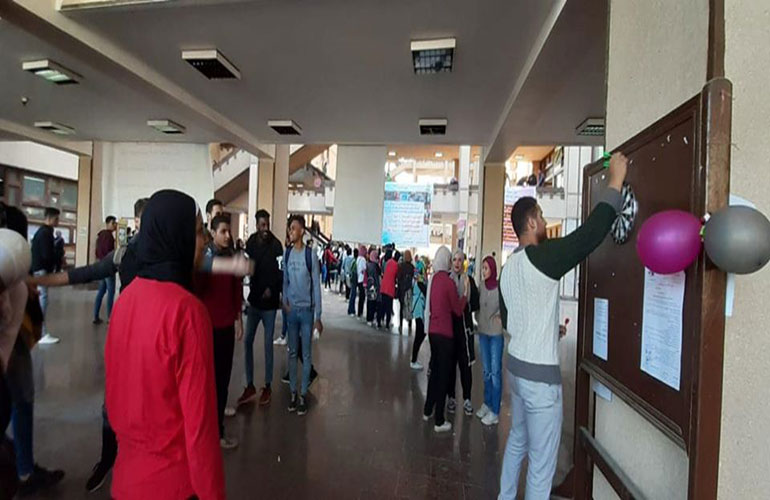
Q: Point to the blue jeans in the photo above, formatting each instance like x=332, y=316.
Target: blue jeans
x=253, y=317
x=535, y=433
x=22, y=388
x=492, y=361
x=106, y=285
x=300, y=320
x=284, y=324
x=352, y=301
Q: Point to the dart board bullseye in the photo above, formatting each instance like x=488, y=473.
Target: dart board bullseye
x=624, y=223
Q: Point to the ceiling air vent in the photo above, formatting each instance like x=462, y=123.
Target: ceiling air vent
x=433, y=56
x=591, y=127
x=166, y=126
x=56, y=128
x=51, y=71
x=285, y=127
x=433, y=126
x=212, y=64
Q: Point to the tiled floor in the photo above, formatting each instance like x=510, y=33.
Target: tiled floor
x=363, y=437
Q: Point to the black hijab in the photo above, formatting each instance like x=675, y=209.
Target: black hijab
x=166, y=248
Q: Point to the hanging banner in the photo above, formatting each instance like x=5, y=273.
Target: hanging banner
x=512, y=195
x=406, y=215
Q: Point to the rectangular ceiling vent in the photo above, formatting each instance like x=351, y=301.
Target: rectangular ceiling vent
x=166, y=126
x=285, y=127
x=433, y=126
x=591, y=127
x=433, y=56
x=56, y=128
x=51, y=71
x=212, y=64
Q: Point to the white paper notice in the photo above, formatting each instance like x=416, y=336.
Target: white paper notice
x=601, y=390
x=662, y=326
x=601, y=327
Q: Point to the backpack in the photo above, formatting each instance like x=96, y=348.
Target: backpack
x=308, y=263
x=372, y=291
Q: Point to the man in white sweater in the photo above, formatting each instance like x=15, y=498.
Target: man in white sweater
x=529, y=289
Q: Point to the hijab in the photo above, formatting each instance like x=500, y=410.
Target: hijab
x=408, y=256
x=362, y=251
x=442, y=262
x=457, y=277
x=166, y=250
x=374, y=256
x=491, y=282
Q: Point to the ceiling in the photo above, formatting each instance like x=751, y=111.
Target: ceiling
x=530, y=153
x=427, y=152
x=342, y=70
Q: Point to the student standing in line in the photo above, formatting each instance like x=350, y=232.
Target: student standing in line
x=373, y=279
x=347, y=264
x=419, y=291
x=361, y=280
x=465, y=344
x=44, y=262
x=442, y=303
x=222, y=294
x=388, y=289
x=159, y=365
x=58, y=245
x=529, y=286
x=105, y=245
x=490, y=342
x=352, y=276
x=404, y=280
x=265, y=284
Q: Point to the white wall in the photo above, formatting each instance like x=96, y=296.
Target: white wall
x=39, y=158
x=132, y=170
x=745, y=453
x=657, y=60
x=359, y=193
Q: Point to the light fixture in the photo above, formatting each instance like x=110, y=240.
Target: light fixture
x=285, y=127
x=433, y=56
x=518, y=157
x=56, y=128
x=212, y=64
x=65, y=5
x=166, y=126
x=432, y=126
x=51, y=71
x=592, y=127
x=392, y=154
x=439, y=154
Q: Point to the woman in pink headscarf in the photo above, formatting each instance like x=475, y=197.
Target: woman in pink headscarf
x=490, y=342
x=372, y=286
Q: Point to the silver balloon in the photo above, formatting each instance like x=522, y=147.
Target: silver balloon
x=737, y=239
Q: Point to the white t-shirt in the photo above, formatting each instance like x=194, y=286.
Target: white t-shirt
x=361, y=268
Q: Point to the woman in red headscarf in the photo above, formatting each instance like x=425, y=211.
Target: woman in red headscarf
x=490, y=342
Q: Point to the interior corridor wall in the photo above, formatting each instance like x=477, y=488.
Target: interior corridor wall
x=657, y=60
x=132, y=170
x=359, y=194
x=744, y=453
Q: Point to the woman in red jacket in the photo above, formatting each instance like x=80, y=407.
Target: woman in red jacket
x=442, y=302
x=159, y=365
x=388, y=289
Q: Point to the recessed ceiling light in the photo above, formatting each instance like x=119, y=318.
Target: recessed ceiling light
x=285, y=127
x=56, y=128
x=432, y=126
x=51, y=71
x=166, y=126
x=439, y=154
x=593, y=127
x=518, y=157
x=212, y=64
x=433, y=56
x=391, y=153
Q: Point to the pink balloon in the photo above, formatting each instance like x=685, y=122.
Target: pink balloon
x=669, y=241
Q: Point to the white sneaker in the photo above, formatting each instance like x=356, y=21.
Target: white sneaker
x=427, y=417
x=228, y=443
x=48, y=339
x=416, y=366
x=447, y=427
x=483, y=411
x=490, y=419
x=229, y=411
x=280, y=341
x=468, y=407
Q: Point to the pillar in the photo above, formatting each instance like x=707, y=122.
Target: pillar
x=492, y=179
x=253, y=193
x=266, y=177
x=96, y=216
x=281, y=190
x=83, y=239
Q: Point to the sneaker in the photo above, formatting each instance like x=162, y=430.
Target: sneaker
x=229, y=411
x=302, y=406
x=446, y=427
x=370, y=323
x=285, y=378
x=293, y=403
x=40, y=479
x=451, y=405
x=48, y=339
x=98, y=476
x=483, y=411
x=427, y=417
x=97, y=321
x=490, y=419
x=280, y=341
x=313, y=376
x=264, y=397
x=227, y=443
x=249, y=395
x=468, y=407
x=416, y=366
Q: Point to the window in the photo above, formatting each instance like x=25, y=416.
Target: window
x=69, y=195
x=34, y=190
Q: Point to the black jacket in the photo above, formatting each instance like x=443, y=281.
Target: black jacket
x=43, y=252
x=267, y=274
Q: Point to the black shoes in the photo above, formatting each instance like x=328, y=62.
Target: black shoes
x=285, y=378
x=313, y=376
x=98, y=475
x=302, y=407
x=293, y=403
x=40, y=479
x=97, y=321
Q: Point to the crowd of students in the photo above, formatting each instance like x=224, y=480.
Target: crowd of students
x=171, y=337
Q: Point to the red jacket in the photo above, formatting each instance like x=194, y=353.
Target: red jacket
x=160, y=395
x=444, y=302
x=388, y=286
x=222, y=294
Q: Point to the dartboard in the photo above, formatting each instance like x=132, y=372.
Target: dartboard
x=624, y=223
